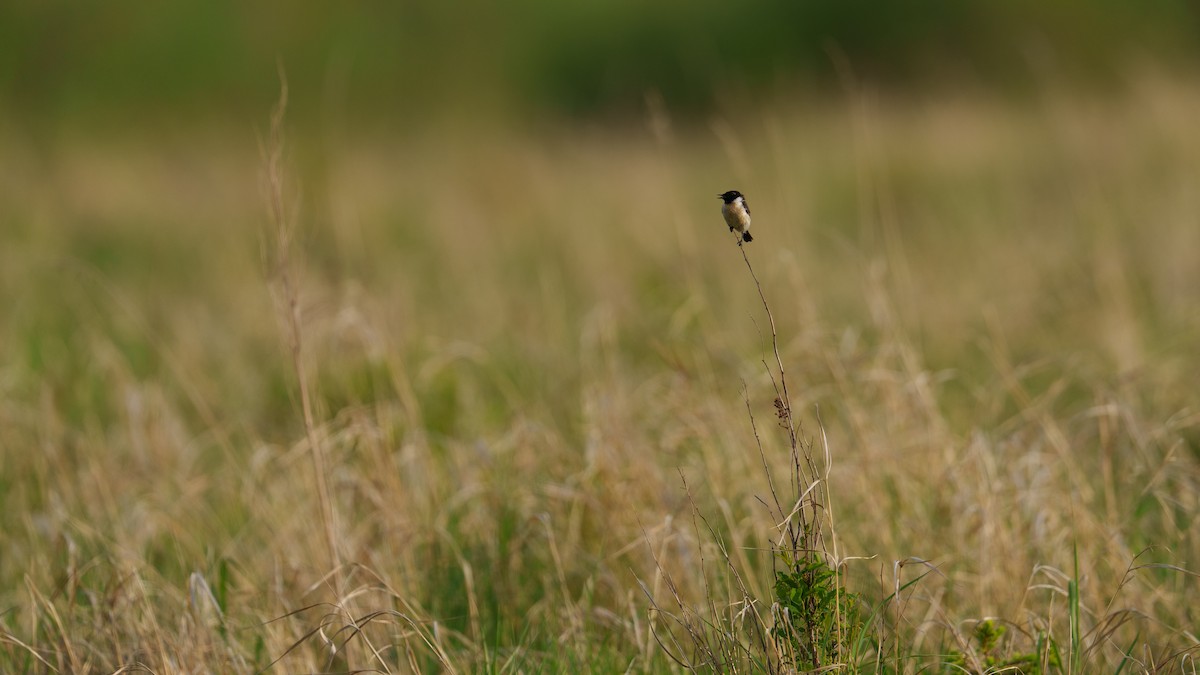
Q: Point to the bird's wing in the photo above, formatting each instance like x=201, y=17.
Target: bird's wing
x=746, y=205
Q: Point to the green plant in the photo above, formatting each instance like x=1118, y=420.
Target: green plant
x=817, y=619
x=987, y=654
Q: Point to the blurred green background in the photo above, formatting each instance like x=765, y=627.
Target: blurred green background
x=108, y=63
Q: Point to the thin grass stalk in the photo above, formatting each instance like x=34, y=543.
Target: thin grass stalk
x=282, y=230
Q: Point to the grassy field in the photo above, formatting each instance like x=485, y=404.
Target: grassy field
x=528, y=363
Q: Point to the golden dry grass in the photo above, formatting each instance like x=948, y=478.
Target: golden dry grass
x=519, y=346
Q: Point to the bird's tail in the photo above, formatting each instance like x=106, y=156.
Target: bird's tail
x=746, y=236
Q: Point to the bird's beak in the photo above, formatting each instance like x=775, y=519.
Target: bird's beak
x=720, y=196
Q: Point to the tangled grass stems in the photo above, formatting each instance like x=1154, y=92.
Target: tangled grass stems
x=808, y=626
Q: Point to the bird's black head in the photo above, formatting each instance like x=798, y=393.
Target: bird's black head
x=728, y=197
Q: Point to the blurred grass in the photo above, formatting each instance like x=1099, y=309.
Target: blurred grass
x=518, y=342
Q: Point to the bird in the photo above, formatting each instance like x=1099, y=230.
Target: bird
x=737, y=214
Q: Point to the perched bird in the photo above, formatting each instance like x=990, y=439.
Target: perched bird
x=737, y=214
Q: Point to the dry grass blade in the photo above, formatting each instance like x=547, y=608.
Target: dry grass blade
x=288, y=295
x=11, y=639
